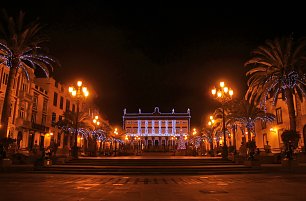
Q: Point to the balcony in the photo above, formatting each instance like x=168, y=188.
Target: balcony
x=20, y=122
x=40, y=127
x=23, y=95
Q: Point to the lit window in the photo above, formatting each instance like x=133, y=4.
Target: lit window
x=279, y=117
x=263, y=124
x=55, y=99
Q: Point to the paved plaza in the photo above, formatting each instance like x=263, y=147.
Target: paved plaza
x=234, y=187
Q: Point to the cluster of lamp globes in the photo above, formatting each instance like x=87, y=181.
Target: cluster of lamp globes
x=79, y=91
x=211, y=120
x=224, y=90
x=194, y=131
x=96, y=121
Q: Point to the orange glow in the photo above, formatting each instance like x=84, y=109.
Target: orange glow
x=219, y=94
x=231, y=92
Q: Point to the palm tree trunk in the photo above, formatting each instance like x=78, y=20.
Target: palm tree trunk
x=212, y=145
x=234, y=136
x=249, y=134
x=8, y=99
x=291, y=110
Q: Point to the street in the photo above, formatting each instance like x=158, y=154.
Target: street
x=233, y=187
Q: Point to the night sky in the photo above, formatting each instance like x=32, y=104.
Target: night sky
x=143, y=56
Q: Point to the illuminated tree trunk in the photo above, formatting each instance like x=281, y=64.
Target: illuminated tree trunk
x=291, y=110
x=249, y=134
x=234, y=136
x=8, y=98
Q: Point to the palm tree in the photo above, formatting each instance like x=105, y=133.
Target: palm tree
x=245, y=114
x=278, y=67
x=21, y=47
x=209, y=135
x=83, y=119
x=218, y=116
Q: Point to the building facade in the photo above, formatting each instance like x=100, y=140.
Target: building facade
x=37, y=104
x=156, y=129
x=270, y=133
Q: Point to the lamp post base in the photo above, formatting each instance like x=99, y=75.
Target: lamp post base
x=224, y=152
x=75, y=152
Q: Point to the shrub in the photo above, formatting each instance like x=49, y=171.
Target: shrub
x=290, y=139
x=251, y=146
x=4, y=145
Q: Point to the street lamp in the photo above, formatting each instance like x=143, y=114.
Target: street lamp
x=116, y=133
x=137, y=138
x=223, y=94
x=79, y=93
x=194, y=131
x=211, y=124
x=94, y=137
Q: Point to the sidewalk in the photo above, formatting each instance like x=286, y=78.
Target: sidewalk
x=264, y=168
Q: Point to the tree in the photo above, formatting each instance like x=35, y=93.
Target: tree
x=278, y=67
x=70, y=120
x=290, y=139
x=21, y=48
x=245, y=114
x=218, y=116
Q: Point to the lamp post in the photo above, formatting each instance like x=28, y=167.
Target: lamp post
x=78, y=92
x=211, y=124
x=137, y=138
x=223, y=94
x=116, y=133
x=96, y=123
x=194, y=133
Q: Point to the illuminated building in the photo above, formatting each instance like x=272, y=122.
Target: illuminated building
x=156, y=129
x=270, y=133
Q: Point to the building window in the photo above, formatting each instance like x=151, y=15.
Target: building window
x=73, y=108
x=33, y=117
x=24, y=86
x=56, y=84
x=35, y=102
x=263, y=124
x=53, y=117
x=55, y=99
x=21, y=113
x=279, y=117
x=59, y=136
x=67, y=105
x=45, y=104
x=265, y=139
x=61, y=102
x=43, y=119
x=5, y=78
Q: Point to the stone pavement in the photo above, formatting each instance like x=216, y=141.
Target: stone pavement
x=24, y=187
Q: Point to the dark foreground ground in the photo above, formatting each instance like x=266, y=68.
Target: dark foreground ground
x=233, y=187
